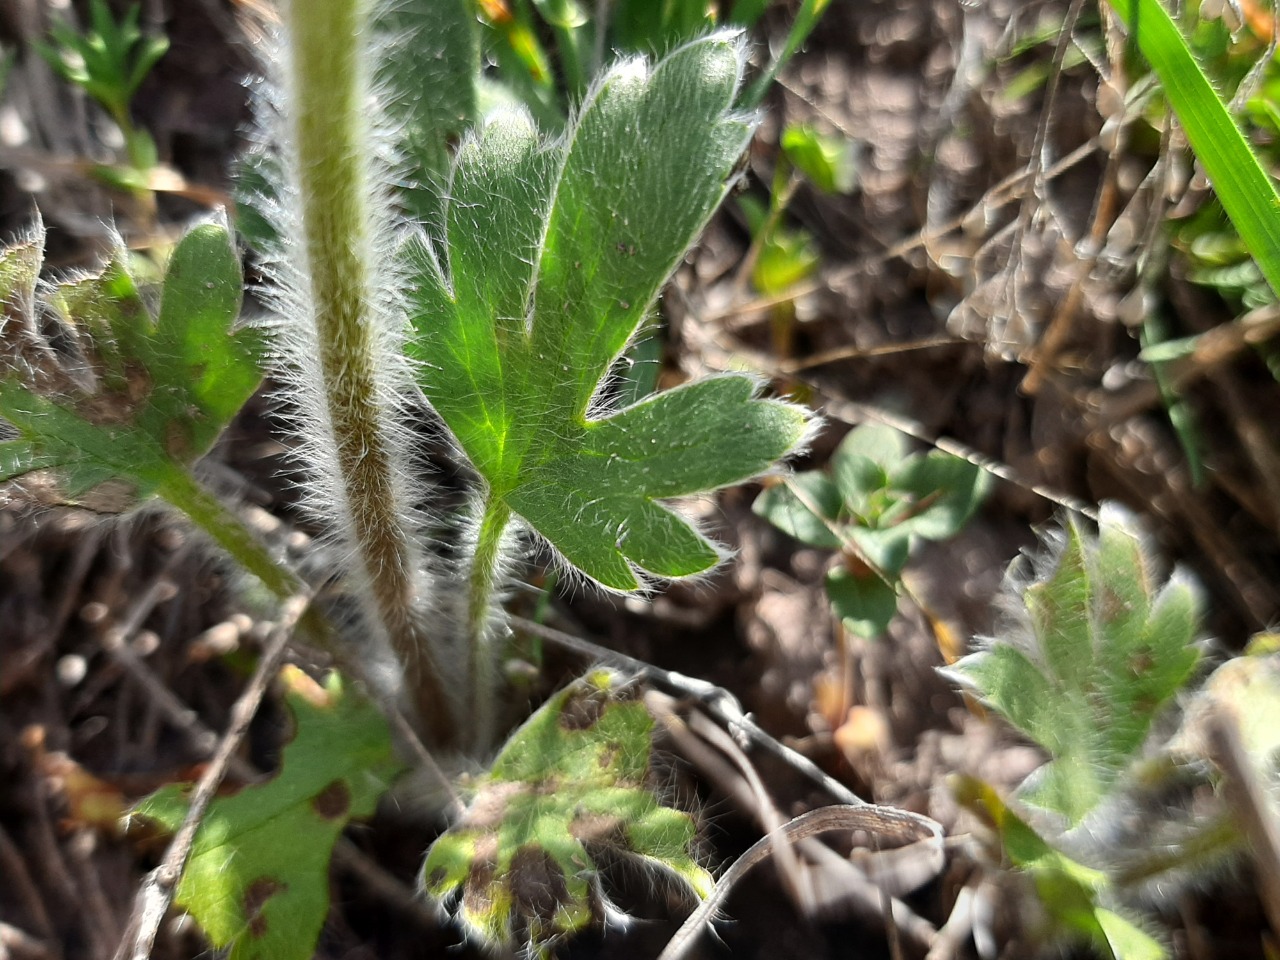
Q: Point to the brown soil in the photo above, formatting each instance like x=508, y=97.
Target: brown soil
x=951, y=293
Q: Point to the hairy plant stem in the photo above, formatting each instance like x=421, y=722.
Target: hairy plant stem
x=181, y=490
x=331, y=138
x=227, y=530
x=486, y=571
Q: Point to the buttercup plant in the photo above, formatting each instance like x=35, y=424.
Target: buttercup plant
x=550, y=256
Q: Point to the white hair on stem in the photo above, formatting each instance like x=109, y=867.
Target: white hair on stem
x=338, y=329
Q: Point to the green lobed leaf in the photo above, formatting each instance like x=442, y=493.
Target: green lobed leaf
x=865, y=604
x=257, y=881
x=572, y=786
x=1102, y=650
x=152, y=395
x=515, y=336
x=19, y=272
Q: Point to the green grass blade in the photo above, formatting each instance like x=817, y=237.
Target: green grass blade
x=806, y=19
x=1247, y=193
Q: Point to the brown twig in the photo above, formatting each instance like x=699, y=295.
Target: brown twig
x=1007, y=191
x=18, y=881
x=19, y=945
x=881, y=821
x=717, y=701
x=744, y=785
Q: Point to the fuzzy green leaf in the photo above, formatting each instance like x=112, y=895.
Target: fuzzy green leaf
x=148, y=397
x=572, y=785
x=19, y=271
x=1070, y=891
x=552, y=257
x=1100, y=650
x=257, y=881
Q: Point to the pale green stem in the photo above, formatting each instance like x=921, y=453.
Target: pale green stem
x=1211, y=844
x=229, y=532
x=806, y=19
x=331, y=138
x=482, y=585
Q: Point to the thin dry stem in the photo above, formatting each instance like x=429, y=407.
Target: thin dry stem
x=161, y=885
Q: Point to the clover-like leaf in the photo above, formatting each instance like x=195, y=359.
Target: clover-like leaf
x=1092, y=651
x=864, y=603
x=552, y=256
x=257, y=881
x=117, y=394
x=572, y=787
x=943, y=492
x=807, y=506
x=862, y=463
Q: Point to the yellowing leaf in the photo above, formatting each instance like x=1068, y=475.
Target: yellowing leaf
x=571, y=785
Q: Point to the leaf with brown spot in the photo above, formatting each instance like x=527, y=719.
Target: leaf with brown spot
x=333, y=802
x=571, y=785
x=107, y=391
x=254, y=899
x=258, y=878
